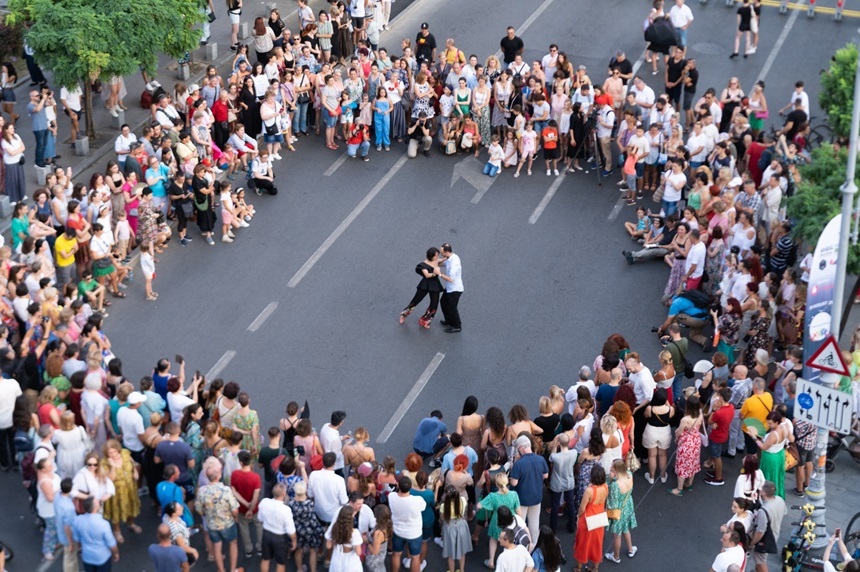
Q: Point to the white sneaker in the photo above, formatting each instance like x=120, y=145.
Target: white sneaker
x=423, y=565
x=619, y=183
x=548, y=173
x=438, y=540
x=407, y=562
x=633, y=552
x=277, y=156
x=247, y=218
x=226, y=238
x=113, y=111
x=230, y=234
x=244, y=224
x=664, y=478
x=649, y=478
x=216, y=170
x=555, y=172
x=611, y=557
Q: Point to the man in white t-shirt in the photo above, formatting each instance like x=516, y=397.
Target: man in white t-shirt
x=694, y=265
x=10, y=390
x=406, y=519
x=332, y=441
x=328, y=489
x=681, y=17
x=131, y=425
x=732, y=553
x=550, y=62
x=800, y=94
x=584, y=381
x=697, y=145
x=644, y=98
x=643, y=148
x=514, y=557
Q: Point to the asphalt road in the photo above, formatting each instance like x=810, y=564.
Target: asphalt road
x=543, y=288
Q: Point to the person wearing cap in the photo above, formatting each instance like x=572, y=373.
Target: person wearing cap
x=425, y=45
x=528, y=474
x=131, y=425
x=419, y=133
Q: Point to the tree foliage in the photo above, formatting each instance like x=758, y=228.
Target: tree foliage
x=818, y=198
x=837, y=90
x=11, y=40
x=84, y=40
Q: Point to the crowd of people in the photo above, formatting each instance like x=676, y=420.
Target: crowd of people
x=91, y=445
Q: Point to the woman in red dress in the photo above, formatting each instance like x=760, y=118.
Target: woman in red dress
x=589, y=543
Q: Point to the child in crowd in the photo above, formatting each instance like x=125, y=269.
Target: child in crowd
x=147, y=267
x=494, y=164
x=122, y=234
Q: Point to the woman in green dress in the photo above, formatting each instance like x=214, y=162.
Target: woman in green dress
x=20, y=225
x=247, y=423
x=502, y=497
x=773, y=451
x=621, y=497
x=192, y=434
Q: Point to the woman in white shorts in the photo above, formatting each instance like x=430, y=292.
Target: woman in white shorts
x=658, y=435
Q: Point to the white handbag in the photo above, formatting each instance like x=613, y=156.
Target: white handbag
x=599, y=520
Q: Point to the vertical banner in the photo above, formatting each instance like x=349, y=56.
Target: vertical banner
x=819, y=297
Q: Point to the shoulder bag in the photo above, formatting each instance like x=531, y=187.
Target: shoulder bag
x=688, y=367
x=767, y=544
x=615, y=513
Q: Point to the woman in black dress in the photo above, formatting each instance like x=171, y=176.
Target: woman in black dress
x=249, y=109
x=204, y=193
x=430, y=284
x=577, y=144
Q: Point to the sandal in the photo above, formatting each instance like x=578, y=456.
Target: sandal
x=107, y=303
x=135, y=528
x=676, y=492
x=120, y=295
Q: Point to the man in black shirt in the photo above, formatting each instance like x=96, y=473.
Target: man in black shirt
x=425, y=45
x=623, y=65
x=691, y=79
x=675, y=77
x=795, y=121
x=511, y=45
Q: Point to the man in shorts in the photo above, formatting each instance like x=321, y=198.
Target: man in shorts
x=719, y=422
x=406, y=519
x=279, y=530
x=71, y=100
x=94, y=293
x=219, y=508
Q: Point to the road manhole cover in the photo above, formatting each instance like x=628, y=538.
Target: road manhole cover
x=707, y=49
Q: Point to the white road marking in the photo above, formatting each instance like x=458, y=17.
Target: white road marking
x=341, y=228
x=410, y=398
x=264, y=315
x=616, y=209
x=777, y=47
x=336, y=165
x=547, y=198
x=220, y=364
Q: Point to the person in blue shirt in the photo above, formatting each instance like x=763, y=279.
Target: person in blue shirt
x=94, y=534
x=64, y=517
x=457, y=448
x=689, y=308
x=528, y=474
x=431, y=438
x=156, y=176
x=166, y=556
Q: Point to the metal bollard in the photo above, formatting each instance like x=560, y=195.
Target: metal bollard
x=838, y=15
x=82, y=145
x=811, y=12
x=5, y=206
x=117, y=121
x=783, y=7
x=183, y=72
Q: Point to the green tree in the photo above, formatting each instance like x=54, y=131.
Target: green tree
x=84, y=40
x=837, y=90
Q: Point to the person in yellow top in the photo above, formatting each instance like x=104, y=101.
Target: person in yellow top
x=452, y=53
x=65, y=246
x=757, y=406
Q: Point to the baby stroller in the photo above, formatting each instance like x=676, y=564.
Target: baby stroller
x=837, y=442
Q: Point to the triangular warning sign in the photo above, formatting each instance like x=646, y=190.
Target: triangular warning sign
x=829, y=358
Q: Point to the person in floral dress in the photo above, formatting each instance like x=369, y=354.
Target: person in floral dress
x=689, y=446
x=193, y=435
x=760, y=339
x=714, y=261
x=124, y=506
x=621, y=497
x=147, y=227
x=309, y=531
x=588, y=458
x=247, y=423
x=490, y=503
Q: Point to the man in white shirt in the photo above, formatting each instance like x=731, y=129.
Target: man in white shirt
x=584, y=381
x=406, y=519
x=681, y=17
x=605, y=123
x=643, y=390
x=800, y=94
x=122, y=145
x=365, y=522
x=550, y=62
x=519, y=67
x=771, y=196
x=71, y=100
x=644, y=98
x=708, y=104
x=332, y=441
x=515, y=557
x=697, y=144
x=732, y=553
x=694, y=265
x=328, y=489
x=711, y=131
x=643, y=149
x=131, y=425
x=452, y=274
x=10, y=390
x=279, y=530
x=584, y=96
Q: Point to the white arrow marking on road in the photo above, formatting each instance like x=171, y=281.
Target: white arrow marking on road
x=470, y=169
x=220, y=364
x=341, y=228
x=264, y=315
x=547, y=198
x=410, y=398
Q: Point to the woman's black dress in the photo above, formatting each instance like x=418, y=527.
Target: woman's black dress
x=250, y=117
x=205, y=218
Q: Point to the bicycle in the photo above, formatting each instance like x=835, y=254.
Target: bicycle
x=795, y=554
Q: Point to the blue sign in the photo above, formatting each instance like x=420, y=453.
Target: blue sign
x=805, y=401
